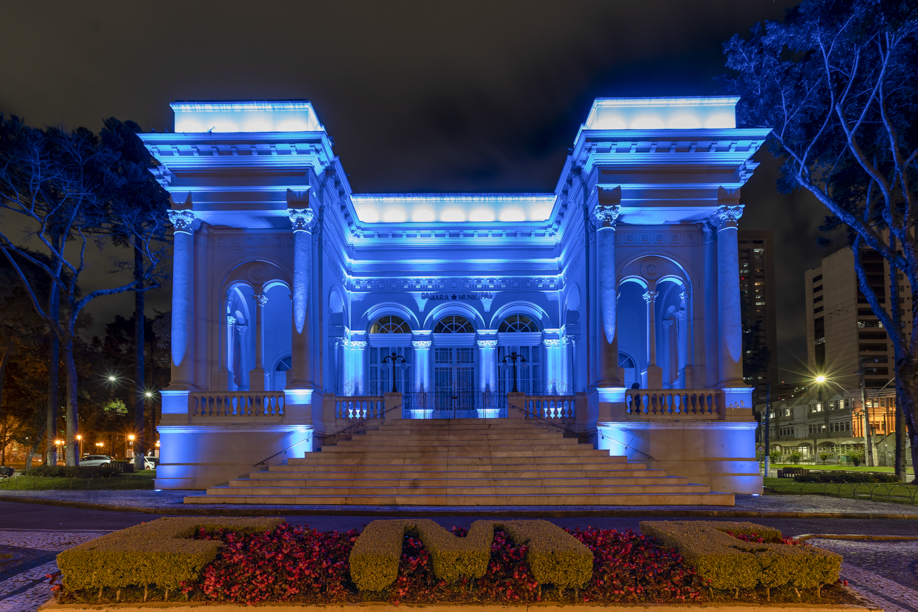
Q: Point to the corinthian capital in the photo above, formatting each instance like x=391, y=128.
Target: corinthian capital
x=605, y=216
x=182, y=220
x=302, y=219
x=728, y=216
x=487, y=344
x=421, y=345
x=650, y=296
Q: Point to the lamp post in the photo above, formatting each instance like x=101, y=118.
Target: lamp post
x=513, y=357
x=79, y=445
x=138, y=419
x=393, y=360
x=821, y=381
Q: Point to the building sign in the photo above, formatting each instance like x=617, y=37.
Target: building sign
x=467, y=297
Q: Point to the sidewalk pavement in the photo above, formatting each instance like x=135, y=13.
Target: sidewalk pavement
x=747, y=506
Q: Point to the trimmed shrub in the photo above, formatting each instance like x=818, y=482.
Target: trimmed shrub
x=159, y=553
x=731, y=563
x=554, y=556
x=840, y=476
x=63, y=471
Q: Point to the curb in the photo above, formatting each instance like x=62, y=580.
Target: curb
x=394, y=511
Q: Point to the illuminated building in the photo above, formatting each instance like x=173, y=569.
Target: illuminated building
x=619, y=290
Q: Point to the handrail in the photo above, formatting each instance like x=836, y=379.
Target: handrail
x=279, y=452
x=575, y=433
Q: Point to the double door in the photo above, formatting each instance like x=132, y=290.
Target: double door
x=454, y=382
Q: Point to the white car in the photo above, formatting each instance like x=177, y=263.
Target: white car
x=96, y=461
x=149, y=463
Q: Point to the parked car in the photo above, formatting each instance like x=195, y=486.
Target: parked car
x=96, y=461
x=150, y=463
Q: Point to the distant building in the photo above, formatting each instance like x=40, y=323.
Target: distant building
x=841, y=328
x=757, y=292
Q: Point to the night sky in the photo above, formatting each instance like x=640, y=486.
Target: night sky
x=418, y=96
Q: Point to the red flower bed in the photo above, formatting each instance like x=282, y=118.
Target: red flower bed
x=308, y=566
x=287, y=564
x=757, y=539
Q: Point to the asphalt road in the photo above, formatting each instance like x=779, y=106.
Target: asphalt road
x=15, y=515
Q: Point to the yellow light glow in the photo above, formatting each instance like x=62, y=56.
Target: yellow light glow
x=820, y=379
x=131, y=437
x=79, y=437
x=112, y=379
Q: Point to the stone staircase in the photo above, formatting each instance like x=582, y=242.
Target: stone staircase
x=469, y=462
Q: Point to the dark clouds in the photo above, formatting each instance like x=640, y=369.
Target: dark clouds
x=419, y=96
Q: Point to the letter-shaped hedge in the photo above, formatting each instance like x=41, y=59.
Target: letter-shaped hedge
x=731, y=563
x=554, y=556
x=159, y=553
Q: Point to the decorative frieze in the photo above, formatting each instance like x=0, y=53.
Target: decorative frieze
x=626, y=236
x=462, y=285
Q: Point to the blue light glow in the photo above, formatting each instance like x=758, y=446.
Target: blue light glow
x=611, y=394
x=280, y=116
x=453, y=208
x=662, y=113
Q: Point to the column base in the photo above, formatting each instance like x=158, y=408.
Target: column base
x=652, y=378
x=258, y=380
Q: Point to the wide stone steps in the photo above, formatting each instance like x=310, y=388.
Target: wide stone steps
x=474, y=462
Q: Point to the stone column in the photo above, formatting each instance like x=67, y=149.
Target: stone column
x=231, y=353
x=604, y=218
x=182, y=300
x=653, y=375
x=730, y=323
x=421, y=364
x=682, y=343
x=303, y=221
x=243, y=382
x=258, y=378
x=668, y=344
x=711, y=373
x=358, y=353
x=553, y=365
x=487, y=359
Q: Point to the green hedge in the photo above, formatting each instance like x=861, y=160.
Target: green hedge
x=554, y=556
x=730, y=563
x=63, y=471
x=841, y=476
x=159, y=553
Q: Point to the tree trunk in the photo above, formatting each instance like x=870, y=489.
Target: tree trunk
x=3, y=361
x=73, y=424
x=139, y=349
x=54, y=358
x=906, y=370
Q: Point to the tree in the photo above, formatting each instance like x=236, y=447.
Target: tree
x=836, y=82
x=147, y=202
x=62, y=189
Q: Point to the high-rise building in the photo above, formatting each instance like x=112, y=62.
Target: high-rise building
x=757, y=292
x=842, y=330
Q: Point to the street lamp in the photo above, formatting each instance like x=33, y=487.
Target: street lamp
x=820, y=380
x=513, y=357
x=393, y=360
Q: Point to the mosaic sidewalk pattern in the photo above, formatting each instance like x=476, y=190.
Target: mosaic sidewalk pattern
x=23, y=583
x=886, y=572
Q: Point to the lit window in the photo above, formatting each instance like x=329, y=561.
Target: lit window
x=454, y=325
x=390, y=325
x=518, y=323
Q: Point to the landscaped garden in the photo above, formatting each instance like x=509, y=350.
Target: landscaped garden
x=251, y=561
x=78, y=478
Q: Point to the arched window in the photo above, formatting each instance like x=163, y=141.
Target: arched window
x=518, y=323
x=454, y=325
x=280, y=374
x=632, y=376
x=390, y=325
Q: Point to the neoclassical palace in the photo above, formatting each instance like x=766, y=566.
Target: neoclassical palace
x=610, y=307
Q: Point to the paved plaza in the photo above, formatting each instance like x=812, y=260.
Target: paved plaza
x=886, y=572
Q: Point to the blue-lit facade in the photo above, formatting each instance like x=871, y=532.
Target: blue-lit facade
x=296, y=301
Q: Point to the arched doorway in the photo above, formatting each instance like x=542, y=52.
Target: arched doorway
x=453, y=368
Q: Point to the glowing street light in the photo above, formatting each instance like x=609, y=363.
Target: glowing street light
x=820, y=379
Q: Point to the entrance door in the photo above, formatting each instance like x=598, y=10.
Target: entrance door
x=454, y=383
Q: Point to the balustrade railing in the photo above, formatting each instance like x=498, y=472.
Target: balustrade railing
x=359, y=407
x=673, y=403
x=554, y=407
x=252, y=404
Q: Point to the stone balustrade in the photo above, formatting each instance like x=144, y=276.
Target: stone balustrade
x=356, y=407
x=674, y=403
x=554, y=407
x=244, y=404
